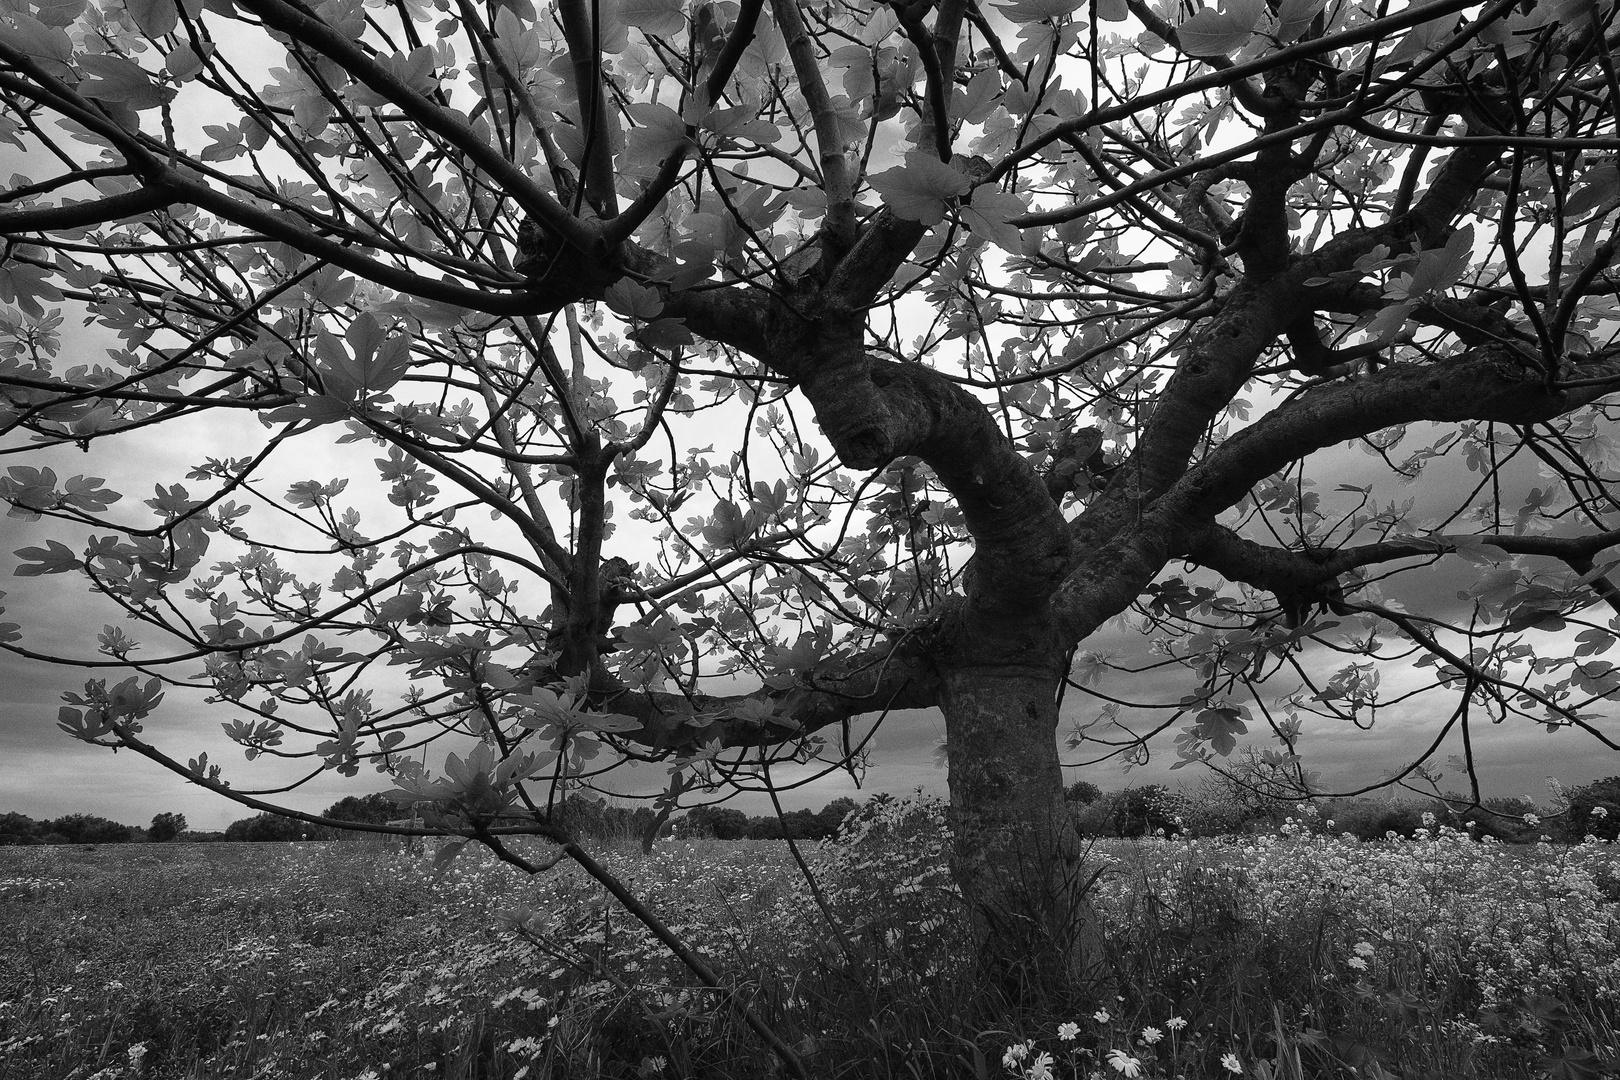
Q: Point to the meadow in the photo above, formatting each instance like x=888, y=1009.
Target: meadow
x=1297, y=956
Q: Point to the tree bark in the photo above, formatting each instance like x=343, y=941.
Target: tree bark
x=1016, y=857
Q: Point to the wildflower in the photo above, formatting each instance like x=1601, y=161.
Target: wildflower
x=1068, y=1032
x=1532, y=820
x=1124, y=1064
x=1151, y=1035
x=1015, y=1055
x=1358, y=963
x=1364, y=948
x=1599, y=812
x=1101, y=1016
x=1040, y=1068
x=1231, y=1064
x=1175, y=1023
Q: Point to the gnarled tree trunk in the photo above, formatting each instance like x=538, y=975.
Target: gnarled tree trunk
x=1016, y=857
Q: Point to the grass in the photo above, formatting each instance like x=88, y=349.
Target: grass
x=1296, y=956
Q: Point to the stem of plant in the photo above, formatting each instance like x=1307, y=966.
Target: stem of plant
x=695, y=963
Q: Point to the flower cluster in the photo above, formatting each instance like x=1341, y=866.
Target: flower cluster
x=1149, y=1056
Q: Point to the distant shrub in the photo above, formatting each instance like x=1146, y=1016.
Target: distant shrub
x=373, y=809
x=1594, y=810
x=727, y=823
x=89, y=829
x=18, y=829
x=603, y=821
x=716, y=822
x=1374, y=819
x=269, y=828
x=1213, y=811
x=165, y=827
x=1141, y=811
x=1082, y=793
x=1093, y=818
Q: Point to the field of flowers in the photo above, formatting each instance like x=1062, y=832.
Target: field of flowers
x=1297, y=956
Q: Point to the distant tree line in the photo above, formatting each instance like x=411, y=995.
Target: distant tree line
x=728, y=823
x=1250, y=802
x=19, y=830
x=591, y=818
x=1248, y=799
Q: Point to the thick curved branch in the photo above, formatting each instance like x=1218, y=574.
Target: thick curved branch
x=1126, y=540
x=733, y=314
x=879, y=251
x=1280, y=571
x=1219, y=362
x=1256, y=312
x=84, y=214
x=1021, y=541
x=1485, y=383
x=1291, y=573
x=894, y=675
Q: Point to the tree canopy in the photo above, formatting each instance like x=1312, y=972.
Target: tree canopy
x=645, y=380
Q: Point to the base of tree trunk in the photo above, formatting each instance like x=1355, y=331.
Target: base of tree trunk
x=1017, y=857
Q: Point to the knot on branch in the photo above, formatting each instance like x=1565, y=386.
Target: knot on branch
x=852, y=409
x=560, y=272
x=1298, y=605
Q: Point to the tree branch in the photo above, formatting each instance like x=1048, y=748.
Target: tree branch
x=597, y=123
x=742, y=33
x=836, y=177
x=1286, y=572
x=1256, y=312
x=891, y=675
x=535, y=200
x=1021, y=541
x=1372, y=31
x=80, y=215
x=1485, y=383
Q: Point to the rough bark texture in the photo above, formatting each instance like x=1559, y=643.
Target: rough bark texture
x=1016, y=858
